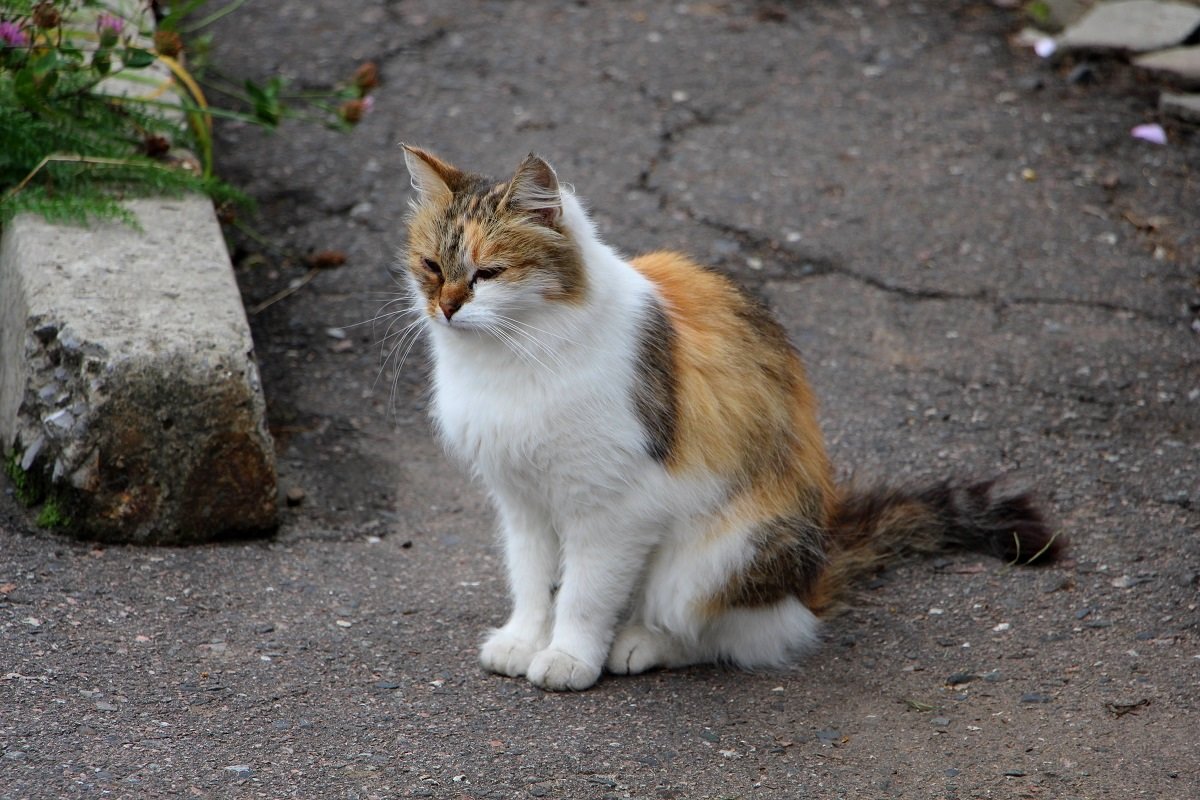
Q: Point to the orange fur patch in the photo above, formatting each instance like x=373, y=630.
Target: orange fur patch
x=745, y=408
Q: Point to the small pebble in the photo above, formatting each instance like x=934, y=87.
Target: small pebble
x=1081, y=74
x=1015, y=773
x=296, y=496
x=953, y=773
x=1056, y=583
x=960, y=678
x=1035, y=697
x=939, y=722
x=1083, y=612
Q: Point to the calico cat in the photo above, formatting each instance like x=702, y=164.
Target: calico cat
x=650, y=442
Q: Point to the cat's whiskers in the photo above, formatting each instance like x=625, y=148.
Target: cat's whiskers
x=406, y=338
x=514, y=328
x=524, y=324
x=396, y=318
x=514, y=345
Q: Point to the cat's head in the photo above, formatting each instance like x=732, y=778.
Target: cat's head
x=482, y=251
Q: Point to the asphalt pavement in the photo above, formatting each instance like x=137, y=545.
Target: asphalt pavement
x=986, y=274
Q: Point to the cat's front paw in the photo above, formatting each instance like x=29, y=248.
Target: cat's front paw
x=507, y=653
x=557, y=671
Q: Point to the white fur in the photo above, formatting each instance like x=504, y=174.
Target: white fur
x=593, y=527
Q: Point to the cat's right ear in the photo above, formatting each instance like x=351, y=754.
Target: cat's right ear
x=431, y=177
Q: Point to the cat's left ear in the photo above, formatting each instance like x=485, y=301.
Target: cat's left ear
x=534, y=189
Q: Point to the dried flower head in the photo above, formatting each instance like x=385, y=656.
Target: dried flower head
x=156, y=146
x=366, y=77
x=352, y=111
x=11, y=35
x=167, y=43
x=46, y=15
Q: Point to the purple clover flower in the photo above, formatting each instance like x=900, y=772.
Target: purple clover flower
x=11, y=35
x=108, y=23
x=109, y=28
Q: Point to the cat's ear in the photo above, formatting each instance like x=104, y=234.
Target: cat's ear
x=433, y=178
x=534, y=189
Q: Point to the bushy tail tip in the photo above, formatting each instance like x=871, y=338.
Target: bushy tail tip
x=873, y=527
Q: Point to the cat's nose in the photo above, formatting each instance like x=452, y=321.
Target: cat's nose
x=449, y=307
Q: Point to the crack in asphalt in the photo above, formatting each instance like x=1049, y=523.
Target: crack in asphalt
x=769, y=250
x=814, y=265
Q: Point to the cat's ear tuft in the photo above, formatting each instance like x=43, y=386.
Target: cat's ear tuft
x=534, y=189
x=433, y=178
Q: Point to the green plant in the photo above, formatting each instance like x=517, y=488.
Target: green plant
x=30, y=492
x=53, y=516
x=24, y=486
x=97, y=103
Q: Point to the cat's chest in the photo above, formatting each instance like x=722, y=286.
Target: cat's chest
x=498, y=418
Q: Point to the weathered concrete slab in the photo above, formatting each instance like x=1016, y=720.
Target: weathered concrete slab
x=1061, y=13
x=1135, y=26
x=129, y=394
x=1181, y=63
x=1183, y=106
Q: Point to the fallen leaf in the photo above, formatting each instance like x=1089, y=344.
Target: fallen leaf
x=1121, y=709
x=1153, y=223
x=326, y=259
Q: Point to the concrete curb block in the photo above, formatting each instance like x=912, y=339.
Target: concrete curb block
x=129, y=394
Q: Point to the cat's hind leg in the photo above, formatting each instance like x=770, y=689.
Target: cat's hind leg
x=766, y=637
x=667, y=623
x=688, y=614
x=761, y=637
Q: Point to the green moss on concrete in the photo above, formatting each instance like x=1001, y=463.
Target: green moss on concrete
x=53, y=516
x=32, y=491
x=28, y=489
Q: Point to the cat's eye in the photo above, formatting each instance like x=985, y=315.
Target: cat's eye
x=486, y=273
x=432, y=266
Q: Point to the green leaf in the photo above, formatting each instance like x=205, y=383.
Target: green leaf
x=101, y=61
x=177, y=13
x=136, y=58
x=26, y=88
x=44, y=62
x=267, y=108
x=68, y=53
x=48, y=82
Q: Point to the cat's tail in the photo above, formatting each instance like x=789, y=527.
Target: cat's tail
x=872, y=527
